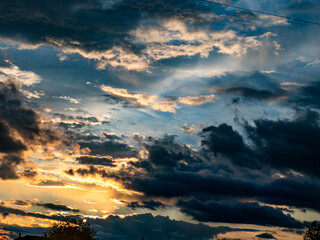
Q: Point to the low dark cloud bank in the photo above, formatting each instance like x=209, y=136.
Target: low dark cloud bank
x=130, y=227
x=157, y=228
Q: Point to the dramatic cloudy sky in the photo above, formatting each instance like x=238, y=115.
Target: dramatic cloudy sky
x=168, y=119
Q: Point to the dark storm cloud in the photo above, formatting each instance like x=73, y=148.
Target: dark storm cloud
x=8, y=144
x=103, y=148
x=16, y=117
x=251, y=93
x=92, y=160
x=265, y=236
x=237, y=212
x=8, y=166
x=75, y=22
x=181, y=173
x=151, y=204
x=224, y=140
x=296, y=96
x=57, y=207
x=20, y=117
x=301, y=7
x=307, y=96
x=92, y=171
x=295, y=191
x=195, y=173
x=110, y=148
x=282, y=144
x=87, y=24
x=166, y=153
x=29, y=173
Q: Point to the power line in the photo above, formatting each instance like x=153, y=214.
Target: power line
x=262, y=12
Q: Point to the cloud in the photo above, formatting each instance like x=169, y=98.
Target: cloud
x=21, y=202
x=13, y=72
x=140, y=99
x=93, y=160
x=75, y=121
x=48, y=182
x=181, y=172
x=91, y=171
x=33, y=94
x=157, y=228
x=196, y=101
x=133, y=41
x=19, y=212
x=238, y=212
x=282, y=144
x=111, y=148
x=117, y=56
x=8, y=143
x=166, y=153
x=292, y=94
x=307, y=96
x=188, y=128
x=261, y=95
x=151, y=204
x=69, y=99
x=172, y=38
x=57, y=207
x=265, y=236
x=154, y=101
x=138, y=226
x=194, y=181
x=20, y=128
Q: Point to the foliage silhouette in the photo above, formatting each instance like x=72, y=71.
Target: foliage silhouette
x=312, y=232
x=71, y=229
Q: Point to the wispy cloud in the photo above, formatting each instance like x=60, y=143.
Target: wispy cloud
x=155, y=102
x=69, y=99
x=22, y=77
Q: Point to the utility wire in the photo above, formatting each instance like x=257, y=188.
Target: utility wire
x=266, y=13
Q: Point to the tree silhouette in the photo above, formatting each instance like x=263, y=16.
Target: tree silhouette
x=71, y=229
x=312, y=232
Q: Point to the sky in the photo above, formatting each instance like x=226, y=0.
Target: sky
x=164, y=119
